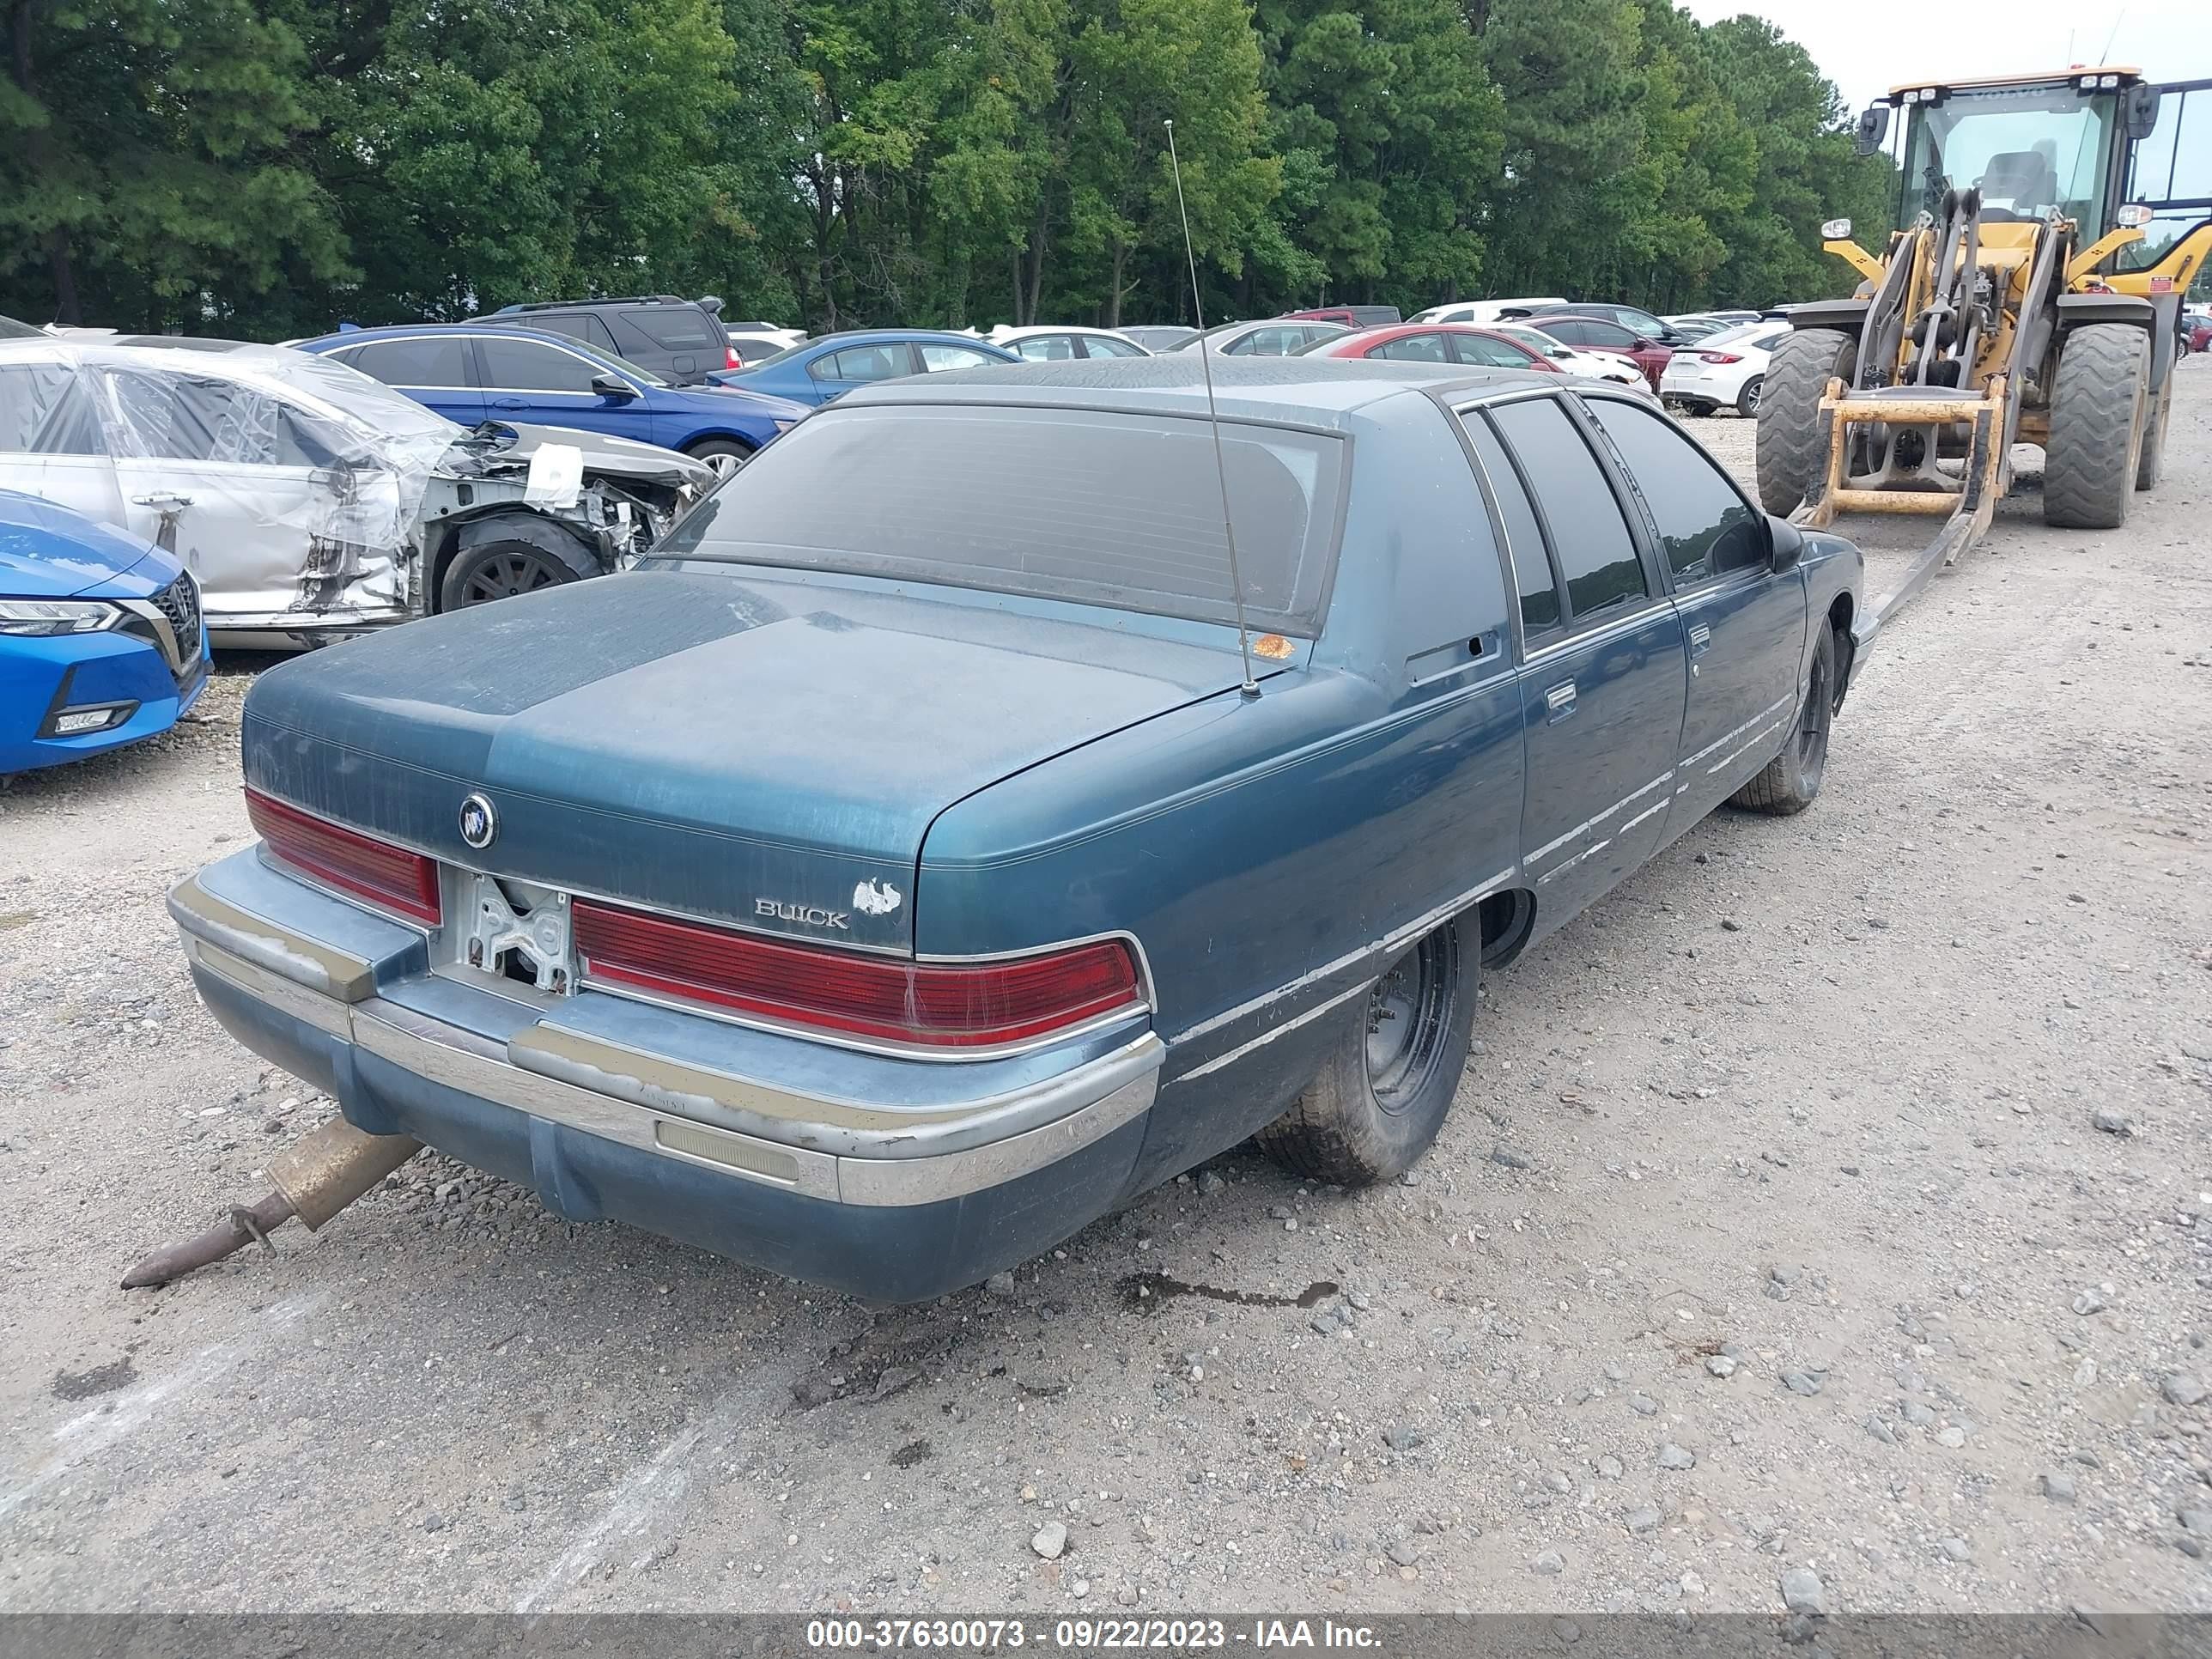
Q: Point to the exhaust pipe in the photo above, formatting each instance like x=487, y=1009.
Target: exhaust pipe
x=314, y=1180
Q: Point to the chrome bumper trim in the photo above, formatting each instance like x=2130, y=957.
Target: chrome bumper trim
x=304, y=964
x=1076, y=1108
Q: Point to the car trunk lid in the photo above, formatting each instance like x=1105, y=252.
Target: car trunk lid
x=764, y=751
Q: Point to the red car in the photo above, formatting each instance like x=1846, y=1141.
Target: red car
x=2196, y=335
x=1435, y=343
x=1349, y=316
x=1603, y=334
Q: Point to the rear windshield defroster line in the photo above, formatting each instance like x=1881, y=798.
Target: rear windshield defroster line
x=1099, y=508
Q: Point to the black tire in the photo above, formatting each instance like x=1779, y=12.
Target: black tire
x=1382, y=1093
x=2097, y=408
x=500, y=569
x=1792, y=778
x=2153, y=461
x=1746, y=401
x=707, y=448
x=1791, y=457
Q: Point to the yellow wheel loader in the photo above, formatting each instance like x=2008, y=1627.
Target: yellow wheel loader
x=2048, y=228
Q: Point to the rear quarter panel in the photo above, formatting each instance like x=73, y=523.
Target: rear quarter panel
x=1263, y=850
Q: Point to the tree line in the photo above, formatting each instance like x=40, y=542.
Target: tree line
x=269, y=167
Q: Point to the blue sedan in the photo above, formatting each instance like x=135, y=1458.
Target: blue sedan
x=831, y=365
x=476, y=373
x=100, y=637
x=879, y=883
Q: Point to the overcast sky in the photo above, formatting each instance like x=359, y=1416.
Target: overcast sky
x=1868, y=46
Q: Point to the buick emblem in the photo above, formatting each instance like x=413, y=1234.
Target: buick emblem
x=479, y=822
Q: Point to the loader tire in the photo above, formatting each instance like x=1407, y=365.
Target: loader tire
x=1791, y=457
x=2097, y=408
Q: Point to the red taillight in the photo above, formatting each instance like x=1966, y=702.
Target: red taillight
x=1718, y=357
x=930, y=1005
x=385, y=875
x=734, y=361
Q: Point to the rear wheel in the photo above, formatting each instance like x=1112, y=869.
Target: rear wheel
x=1791, y=457
x=1382, y=1093
x=1792, y=778
x=1746, y=401
x=2097, y=402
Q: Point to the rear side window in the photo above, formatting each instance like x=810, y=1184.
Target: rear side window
x=1491, y=354
x=937, y=509
x=1607, y=337
x=1533, y=575
x=1706, y=527
x=1413, y=348
x=1098, y=346
x=1045, y=349
x=673, y=328
x=1597, y=554
x=439, y=360
x=44, y=410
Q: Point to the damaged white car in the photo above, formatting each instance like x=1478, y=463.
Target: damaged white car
x=311, y=502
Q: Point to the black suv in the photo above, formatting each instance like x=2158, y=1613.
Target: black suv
x=681, y=340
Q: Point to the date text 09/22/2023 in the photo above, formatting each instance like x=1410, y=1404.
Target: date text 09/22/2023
x=1082, y=1635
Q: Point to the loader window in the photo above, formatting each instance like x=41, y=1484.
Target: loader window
x=2028, y=150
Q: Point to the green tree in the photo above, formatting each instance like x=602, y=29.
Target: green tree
x=146, y=173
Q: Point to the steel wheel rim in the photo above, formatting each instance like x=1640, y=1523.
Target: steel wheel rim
x=1407, y=1024
x=507, y=575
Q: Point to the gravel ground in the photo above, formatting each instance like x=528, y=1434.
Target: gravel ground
x=1835, y=1199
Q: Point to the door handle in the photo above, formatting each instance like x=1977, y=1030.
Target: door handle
x=1700, y=637
x=508, y=403
x=1560, y=700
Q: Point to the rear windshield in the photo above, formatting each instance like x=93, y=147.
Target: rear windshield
x=1119, y=510
x=674, y=328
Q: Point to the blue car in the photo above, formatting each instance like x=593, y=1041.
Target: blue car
x=820, y=369
x=476, y=373
x=100, y=637
x=878, y=885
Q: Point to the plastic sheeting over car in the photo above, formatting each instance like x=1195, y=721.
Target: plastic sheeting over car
x=287, y=482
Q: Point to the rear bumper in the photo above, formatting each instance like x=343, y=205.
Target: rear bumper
x=665, y=1126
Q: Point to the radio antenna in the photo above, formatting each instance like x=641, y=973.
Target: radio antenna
x=1251, y=687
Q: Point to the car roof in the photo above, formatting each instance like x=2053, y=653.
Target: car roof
x=411, y=330
x=1310, y=391
x=896, y=336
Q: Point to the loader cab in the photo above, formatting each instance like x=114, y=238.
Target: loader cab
x=2031, y=145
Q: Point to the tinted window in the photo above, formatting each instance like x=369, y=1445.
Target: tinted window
x=936, y=358
x=1524, y=537
x=1413, y=348
x=44, y=410
x=676, y=328
x=577, y=325
x=528, y=366
x=1039, y=349
x=1589, y=535
x=432, y=360
x=936, y=507
x=1282, y=341
x=874, y=362
x=1099, y=346
x=1704, y=527
x=1606, y=337
x=1491, y=354
x=1569, y=332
